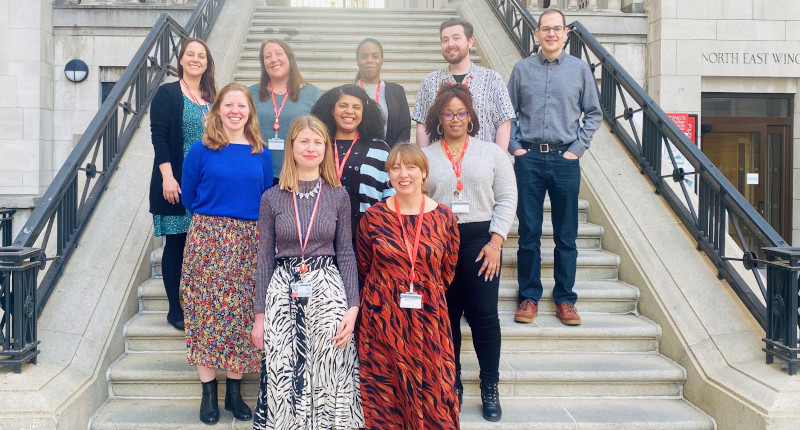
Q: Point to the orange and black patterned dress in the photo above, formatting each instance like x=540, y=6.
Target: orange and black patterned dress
x=406, y=355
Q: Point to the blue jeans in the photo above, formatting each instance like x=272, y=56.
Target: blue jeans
x=560, y=178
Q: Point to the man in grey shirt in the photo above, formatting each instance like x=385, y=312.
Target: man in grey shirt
x=550, y=92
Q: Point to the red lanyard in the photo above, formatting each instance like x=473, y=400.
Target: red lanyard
x=377, y=93
x=194, y=99
x=340, y=167
x=412, y=253
x=275, y=108
x=304, y=242
x=456, y=166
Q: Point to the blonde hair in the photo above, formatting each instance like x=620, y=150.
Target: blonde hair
x=407, y=153
x=289, y=174
x=215, y=137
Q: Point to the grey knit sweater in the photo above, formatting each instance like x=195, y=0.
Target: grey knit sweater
x=330, y=235
x=490, y=185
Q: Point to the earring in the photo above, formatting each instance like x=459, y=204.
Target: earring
x=424, y=180
x=439, y=129
x=470, y=127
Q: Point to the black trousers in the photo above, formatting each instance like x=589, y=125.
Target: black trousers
x=470, y=295
x=171, y=262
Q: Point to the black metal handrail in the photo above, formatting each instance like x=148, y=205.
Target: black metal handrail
x=518, y=23
x=71, y=197
x=707, y=215
x=6, y=220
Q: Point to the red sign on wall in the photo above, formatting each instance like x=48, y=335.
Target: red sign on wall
x=686, y=123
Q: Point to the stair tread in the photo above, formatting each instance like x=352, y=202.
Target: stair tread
x=596, y=326
x=518, y=414
x=515, y=367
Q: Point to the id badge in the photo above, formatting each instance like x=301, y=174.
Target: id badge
x=301, y=289
x=410, y=301
x=276, y=144
x=460, y=207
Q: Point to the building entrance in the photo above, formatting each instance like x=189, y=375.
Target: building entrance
x=749, y=138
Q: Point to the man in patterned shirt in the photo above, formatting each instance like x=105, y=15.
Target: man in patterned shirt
x=489, y=93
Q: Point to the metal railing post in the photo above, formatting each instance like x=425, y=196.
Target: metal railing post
x=19, y=267
x=6, y=225
x=783, y=267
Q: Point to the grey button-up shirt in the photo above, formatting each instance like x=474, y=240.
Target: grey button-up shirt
x=549, y=98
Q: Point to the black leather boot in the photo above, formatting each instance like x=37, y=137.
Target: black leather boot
x=491, y=401
x=209, y=407
x=459, y=390
x=234, y=402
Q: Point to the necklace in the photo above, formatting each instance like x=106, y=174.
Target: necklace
x=311, y=193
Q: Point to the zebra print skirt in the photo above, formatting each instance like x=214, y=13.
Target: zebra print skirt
x=306, y=383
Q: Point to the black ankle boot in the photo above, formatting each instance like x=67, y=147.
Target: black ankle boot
x=209, y=408
x=234, y=402
x=459, y=390
x=491, y=401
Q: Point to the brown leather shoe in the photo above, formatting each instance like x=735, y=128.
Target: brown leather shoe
x=528, y=310
x=567, y=313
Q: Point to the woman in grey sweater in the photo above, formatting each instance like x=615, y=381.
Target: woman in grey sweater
x=476, y=180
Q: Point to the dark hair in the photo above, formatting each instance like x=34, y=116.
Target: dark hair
x=446, y=93
x=452, y=22
x=548, y=12
x=371, y=126
x=295, y=78
x=207, y=85
x=358, y=50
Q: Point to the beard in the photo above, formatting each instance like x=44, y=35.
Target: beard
x=456, y=58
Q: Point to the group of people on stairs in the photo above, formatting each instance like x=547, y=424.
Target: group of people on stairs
x=308, y=241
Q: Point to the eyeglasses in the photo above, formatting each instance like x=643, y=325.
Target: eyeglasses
x=557, y=29
x=450, y=115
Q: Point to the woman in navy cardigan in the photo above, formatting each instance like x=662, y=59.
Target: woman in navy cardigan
x=177, y=120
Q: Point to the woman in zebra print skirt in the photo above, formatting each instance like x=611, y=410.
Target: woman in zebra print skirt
x=307, y=292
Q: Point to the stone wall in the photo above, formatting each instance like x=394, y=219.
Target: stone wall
x=748, y=46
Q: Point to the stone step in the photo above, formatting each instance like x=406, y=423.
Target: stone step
x=598, y=332
x=581, y=374
x=389, y=48
x=350, y=66
x=387, y=28
x=424, y=43
x=518, y=414
x=320, y=77
x=433, y=16
x=594, y=296
x=346, y=55
x=590, y=236
x=542, y=374
x=593, y=264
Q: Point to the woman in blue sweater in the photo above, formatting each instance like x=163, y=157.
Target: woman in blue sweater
x=224, y=176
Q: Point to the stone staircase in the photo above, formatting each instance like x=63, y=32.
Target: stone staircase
x=606, y=373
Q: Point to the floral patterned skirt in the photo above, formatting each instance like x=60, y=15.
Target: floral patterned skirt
x=218, y=283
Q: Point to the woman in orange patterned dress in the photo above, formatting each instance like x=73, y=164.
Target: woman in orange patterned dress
x=407, y=249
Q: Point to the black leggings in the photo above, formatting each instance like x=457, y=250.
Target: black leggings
x=171, y=262
x=476, y=299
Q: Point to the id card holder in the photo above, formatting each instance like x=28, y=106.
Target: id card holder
x=276, y=144
x=301, y=289
x=410, y=301
x=460, y=207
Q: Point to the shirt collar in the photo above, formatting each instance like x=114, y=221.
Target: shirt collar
x=558, y=60
x=450, y=75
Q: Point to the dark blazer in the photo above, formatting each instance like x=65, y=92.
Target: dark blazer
x=398, y=127
x=166, y=133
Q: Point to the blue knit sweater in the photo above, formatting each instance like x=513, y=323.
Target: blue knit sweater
x=228, y=182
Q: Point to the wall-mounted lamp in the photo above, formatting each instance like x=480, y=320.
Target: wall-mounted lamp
x=76, y=71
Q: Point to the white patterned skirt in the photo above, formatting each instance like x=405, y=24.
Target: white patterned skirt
x=307, y=383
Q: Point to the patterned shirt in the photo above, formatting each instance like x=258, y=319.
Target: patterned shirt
x=489, y=98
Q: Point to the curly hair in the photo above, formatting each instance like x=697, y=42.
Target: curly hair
x=371, y=126
x=215, y=137
x=446, y=93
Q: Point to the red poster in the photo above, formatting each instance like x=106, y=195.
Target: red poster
x=686, y=123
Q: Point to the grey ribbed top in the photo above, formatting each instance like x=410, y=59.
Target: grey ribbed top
x=490, y=185
x=330, y=235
